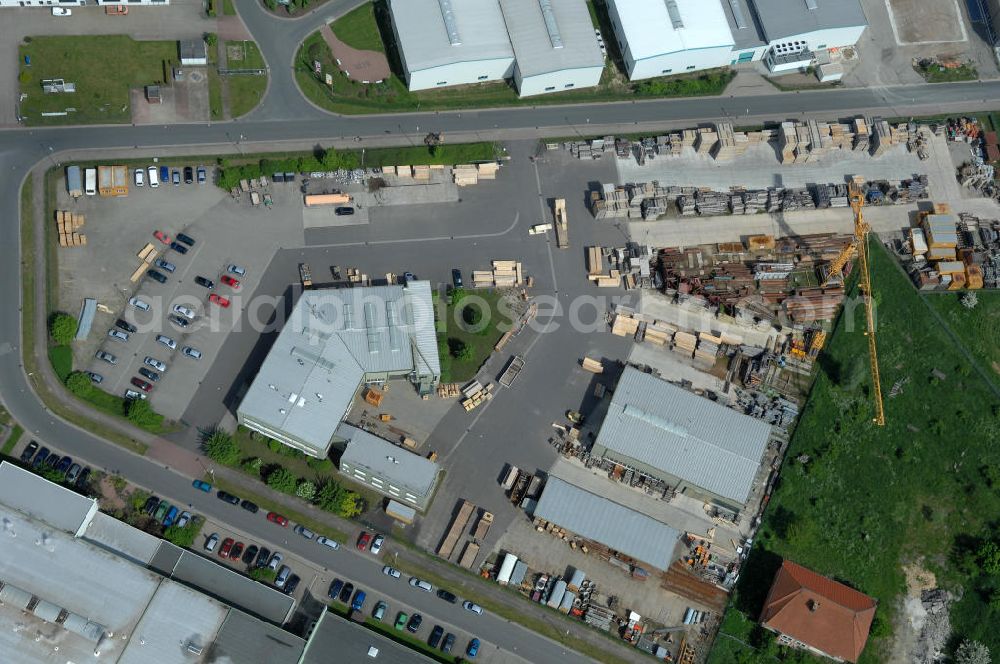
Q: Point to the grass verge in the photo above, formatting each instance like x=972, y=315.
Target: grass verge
x=245, y=91
x=858, y=502
x=977, y=328
x=216, y=108
x=317, y=526
x=454, y=334
x=934, y=72
x=104, y=68
x=15, y=435
x=228, y=8
x=358, y=29
x=61, y=358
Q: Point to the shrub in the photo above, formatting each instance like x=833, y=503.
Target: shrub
x=282, y=479
x=252, y=465
x=263, y=574
x=211, y=39
x=219, y=446
x=142, y=415
x=320, y=465
x=138, y=499
x=472, y=315
x=305, y=489
x=62, y=328
x=79, y=384
x=274, y=446
x=184, y=537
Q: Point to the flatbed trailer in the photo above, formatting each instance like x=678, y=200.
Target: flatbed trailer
x=458, y=525
x=468, y=558
x=511, y=372
x=561, y=223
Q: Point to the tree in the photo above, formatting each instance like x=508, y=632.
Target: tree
x=281, y=479
x=141, y=414
x=329, y=495
x=305, y=489
x=219, y=446
x=969, y=300
x=472, y=315
x=252, y=465
x=972, y=652
x=459, y=349
x=989, y=558
x=79, y=384
x=62, y=327
x=138, y=499
x=350, y=505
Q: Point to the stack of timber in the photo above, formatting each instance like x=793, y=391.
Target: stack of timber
x=458, y=525
x=475, y=394
x=146, y=257
x=592, y=365
x=67, y=225
x=505, y=274
x=448, y=390
x=561, y=223
x=624, y=325
x=812, y=304
x=595, y=260
x=483, y=526
x=488, y=171
x=685, y=343
x=468, y=559
x=465, y=175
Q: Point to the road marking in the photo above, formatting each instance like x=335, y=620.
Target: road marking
x=438, y=238
x=548, y=243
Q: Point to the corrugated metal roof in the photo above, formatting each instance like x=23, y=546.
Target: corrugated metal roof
x=336, y=639
x=535, y=50
x=601, y=520
x=743, y=24
x=122, y=538
x=243, y=638
x=435, y=33
x=650, y=29
x=43, y=500
x=788, y=18
x=333, y=338
x=690, y=437
x=392, y=463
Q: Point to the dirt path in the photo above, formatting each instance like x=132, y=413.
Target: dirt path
x=362, y=66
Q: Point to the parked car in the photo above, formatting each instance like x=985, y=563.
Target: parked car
x=363, y=541
x=165, y=265
x=376, y=546
x=161, y=510
x=132, y=395
x=118, y=335
x=202, y=281
x=262, y=557
x=40, y=458
x=61, y=11
x=157, y=276
x=153, y=177
x=178, y=321
x=106, y=356
x=400, y=620
x=227, y=497
x=162, y=237
x=186, y=239
x=149, y=507
x=435, y=637
x=473, y=607
x=279, y=519
x=184, y=519
x=81, y=482
x=276, y=559
x=52, y=461
x=335, y=587
x=141, y=384
x=379, y=611
x=421, y=585
x=202, y=175
x=326, y=541
x=447, y=596
x=123, y=324
x=391, y=571
x=184, y=311
x=473, y=648
x=212, y=542
x=282, y=576
x=170, y=517
x=408, y=277
x=414, y=623
x=305, y=532
x=188, y=175
x=141, y=305
x=250, y=554
x=64, y=465
x=215, y=298
x=359, y=600
x=346, y=592
x=343, y=211
x=155, y=363
x=140, y=177
x=179, y=248
x=227, y=546
x=29, y=451
x=191, y=352
x=237, y=551
x=95, y=378
x=74, y=473
x=249, y=506
x=147, y=373
x=166, y=341
x=230, y=281
x=456, y=278
x=238, y=270
x=449, y=642
x=175, y=177
x=164, y=174
x=292, y=584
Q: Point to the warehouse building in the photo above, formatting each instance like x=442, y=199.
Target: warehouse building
x=451, y=42
x=389, y=469
x=660, y=38
x=336, y=341
x=693, y=444
x=555, y=47
x=89, y=597
x=607, y=524
x=795, y=30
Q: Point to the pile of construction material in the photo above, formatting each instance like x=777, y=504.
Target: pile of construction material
x=703, y=347
x=505, y=274
x=814, y=304
x=469, y=174
x=628, y=266
x=592, y=149
x=475, y=394
x=448, y=390
x=67, y=225
x=954, y=252
x=146, y=257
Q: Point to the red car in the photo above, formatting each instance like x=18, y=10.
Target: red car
x=274, y=517
x=237, y=551
x=227, y=546
x=219, y=300
x=141, y=384
x=162, y=237
x=229, y=281
x=363, y=541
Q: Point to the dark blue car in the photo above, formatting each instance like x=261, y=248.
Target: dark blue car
x=40, y=458
x=359, y=600
x=164, y=174
x=170, y=517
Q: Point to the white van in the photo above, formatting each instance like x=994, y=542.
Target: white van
x=153, y=176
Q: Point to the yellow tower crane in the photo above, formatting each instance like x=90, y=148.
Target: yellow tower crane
x=860, y=244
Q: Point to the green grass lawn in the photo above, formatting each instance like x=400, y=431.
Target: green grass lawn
x=925, y=488
x=216, y=108
x=15, y=435
x=453, y=329
x=977, y=328
x=245, y=92
x=103, y=68
x=358, y=29
x=935, y=73
x=228, y=8
x=62, y=361
x=350, y=97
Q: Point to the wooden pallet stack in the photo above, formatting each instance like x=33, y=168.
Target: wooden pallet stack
x=624, y=325
x=465, y=175
x=422, y=173
x=476, y=394
x=146, y=257
x=685, y=343
x=67, y=225
x=488, y=171
x=788, y=142
x=660, y=333
x=706, y=141
x=731, y=144
x=448, y=390
x=592, y=365
x=708, y=348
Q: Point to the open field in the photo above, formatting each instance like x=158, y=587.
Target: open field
x=452, y=334
x=857, y=502
x=977, y=328
x=103, y=68
x=358, y=29
x=245, y=92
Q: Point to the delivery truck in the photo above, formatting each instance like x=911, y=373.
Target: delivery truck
x=74, y=183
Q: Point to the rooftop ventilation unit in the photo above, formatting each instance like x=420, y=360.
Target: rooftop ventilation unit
x=551, y=25
x=741, y=21
x=675, y=14
x=450, y=26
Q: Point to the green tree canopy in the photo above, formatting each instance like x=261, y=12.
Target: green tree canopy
x=79, y=384
x=141, y=414
x=281, y=479
x=219, y=446
x=62, y=327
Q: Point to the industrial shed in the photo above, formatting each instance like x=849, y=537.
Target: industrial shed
x=335, y=341
x=595, y=518
x=660, y=38
x=695, y=445
x=795, y=29
x=451, y=42
x=555, y=47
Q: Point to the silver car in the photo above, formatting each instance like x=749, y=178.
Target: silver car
x=166, y=341
x=184, y=311
x=155, y=363
x=275, y=561
x=142, y=305
x=191, y=352
x=118, y=335
x=106, y=356
x=283, y=574
x=238, y=270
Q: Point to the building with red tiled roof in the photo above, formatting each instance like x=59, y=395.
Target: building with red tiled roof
x=812, y=612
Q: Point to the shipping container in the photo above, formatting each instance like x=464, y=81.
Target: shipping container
x=317, y=200
x=506, y=569
x=74, y=183
x=400, y=512
x=567, y=602
x=558, y=592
